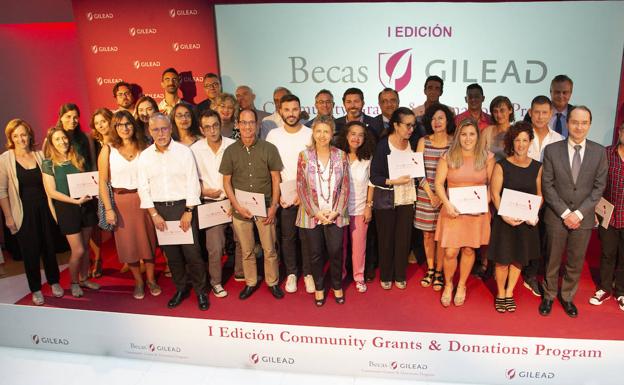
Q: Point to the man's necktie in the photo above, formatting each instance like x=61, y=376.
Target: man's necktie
x=576, y=162
x=558, y=125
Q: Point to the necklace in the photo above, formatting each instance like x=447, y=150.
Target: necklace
x=320, y=173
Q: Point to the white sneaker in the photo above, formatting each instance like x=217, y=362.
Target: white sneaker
x=37, y=298
x=599, y=297
x=360, y=287
x=57, y=290
x=620, y=301
x=291, y=283
x=309, y=284
x=219, y=291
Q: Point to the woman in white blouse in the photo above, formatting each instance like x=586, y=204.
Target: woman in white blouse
x=135, y=238
x=359, y=144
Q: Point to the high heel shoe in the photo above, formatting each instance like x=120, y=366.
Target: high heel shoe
x=445, y=299
x=320, y=302
x=428, y=278
x=339, y=300
x=460, y=296
x=438, y=281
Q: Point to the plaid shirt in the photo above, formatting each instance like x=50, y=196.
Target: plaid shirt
x=614, y=192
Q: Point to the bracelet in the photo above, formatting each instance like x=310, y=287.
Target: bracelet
x=153, y=215
x=108, y=210
x=369, y=204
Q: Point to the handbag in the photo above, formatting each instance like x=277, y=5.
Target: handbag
x=101, y=210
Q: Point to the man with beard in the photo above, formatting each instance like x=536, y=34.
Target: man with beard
x=353, y=101
x=212, y=88
x=290, y=139
x=274, y=120
x=170, y=83
x=324, y=103
x=122, y=92
x=246, y=98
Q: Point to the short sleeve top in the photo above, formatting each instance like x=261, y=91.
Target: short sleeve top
x=59, y=172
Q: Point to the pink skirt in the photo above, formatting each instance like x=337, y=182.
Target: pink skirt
x=135, y=236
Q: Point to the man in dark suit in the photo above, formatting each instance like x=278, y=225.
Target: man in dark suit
x=574, y=177
x=560, y=94
x=388, y=100
x=353, y=101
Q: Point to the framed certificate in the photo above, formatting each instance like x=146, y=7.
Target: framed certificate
x=254, y=202
x=406, y=163
x=519, y=205
x=288, y=190
x=215, y=213
x=83, y=183
x=174, y=235
x=469, y=200
x=604, y=209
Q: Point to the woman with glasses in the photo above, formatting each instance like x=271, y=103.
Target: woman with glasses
x=184, y=124
x=393, y=201
x=227, y=105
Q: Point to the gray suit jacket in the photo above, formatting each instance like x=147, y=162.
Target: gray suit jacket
x=561, y=193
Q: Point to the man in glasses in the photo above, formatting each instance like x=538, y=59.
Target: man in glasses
x=122, y=92
x=212, y=88
x=324, y=103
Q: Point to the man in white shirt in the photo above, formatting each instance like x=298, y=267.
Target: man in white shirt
x=290, y=139
x=434, y=87
x=208, y=154
x=560, y=94
x=169, y=189
x=540, y=113
x=274, y=120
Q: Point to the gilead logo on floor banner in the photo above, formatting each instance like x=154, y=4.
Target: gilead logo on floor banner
x=319, y=350
x=136, y=41
x=509, y=48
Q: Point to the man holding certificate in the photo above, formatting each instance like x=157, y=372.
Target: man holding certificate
x=253, y=165
x=169, y=189
x=208, y=154
x=574, y=177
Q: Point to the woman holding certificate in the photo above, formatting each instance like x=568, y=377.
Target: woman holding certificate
x=514, y=242
x=75, y=216
x=26, y=208
x=440, y=126
x=135, y=238
x=323, y=189
x=393, y=200
x=466, y=164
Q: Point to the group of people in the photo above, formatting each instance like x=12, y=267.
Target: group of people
x=327, y=191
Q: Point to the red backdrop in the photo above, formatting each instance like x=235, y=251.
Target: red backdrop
x=136, y=41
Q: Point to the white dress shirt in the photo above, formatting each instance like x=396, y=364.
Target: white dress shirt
x=168, y=176
x=536, y=151
x=571, y=152
x=208, y=163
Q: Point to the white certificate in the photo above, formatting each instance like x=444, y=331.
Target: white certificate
x=519, y=205
x=174, y=235
x=406, y=163
x=254, y=202
x=83, y=183
x=288, y=190
x=469, y=200
x=212, y=214
x=604, y=209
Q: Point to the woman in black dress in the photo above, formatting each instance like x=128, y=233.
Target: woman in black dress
x=25, y=207
x=513, y=242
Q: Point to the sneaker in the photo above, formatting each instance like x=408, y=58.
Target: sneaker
x=239, y=278
x=386, y=285
x=360, y=287
x=139, y=292
x=291, y=283
x=76, y=291
x=219, y=291
x=533, y=286
x=400, y=284
x=37, y=298
x=620, y=301
x=90, y=285
x=599, y=297
x=154, y=289
x=57, y=290
x=309, y=284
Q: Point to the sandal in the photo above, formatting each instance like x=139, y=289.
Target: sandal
x=445, y=300
x=438, y=281
x=97, y=269
x=76, y=291
x=500, y=304
x=460, y=296
x=428, y=278
x=510, y=304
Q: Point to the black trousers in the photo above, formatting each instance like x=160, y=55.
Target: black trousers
x=35, y=240
x=612, y=260
x=372, y=259
x=319, y=239
x=530, y=271
x=290, y=242
x=394, y=231
x=185, y=261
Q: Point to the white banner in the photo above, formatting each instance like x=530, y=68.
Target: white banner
x=339, y=351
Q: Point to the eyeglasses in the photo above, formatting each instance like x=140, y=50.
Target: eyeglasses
x=325, y=102
x=246, y=122
x=122, y=94
x=212, y=85
x=210, y=127
x=183, y=116
x=159, y=130
x=123, y=125
x=408, y=125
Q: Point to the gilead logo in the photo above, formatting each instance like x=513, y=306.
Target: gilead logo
x=145, y=64
x=111, y=48
x=99, y=16
x=100, y=80
x=185, y=46
x=254, y=358
x=510, y=373
x=37, y=340
x=182, y=12
x=133, y=31
x=395, y=69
